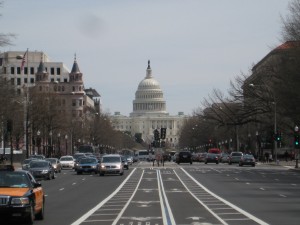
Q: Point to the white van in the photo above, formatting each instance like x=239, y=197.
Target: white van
x=142, y=155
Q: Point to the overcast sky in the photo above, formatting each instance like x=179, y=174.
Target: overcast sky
x=193, y=45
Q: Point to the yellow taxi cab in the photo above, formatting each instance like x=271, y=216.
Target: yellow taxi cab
x=21, y=197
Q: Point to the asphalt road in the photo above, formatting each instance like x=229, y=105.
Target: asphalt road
x=176, y=194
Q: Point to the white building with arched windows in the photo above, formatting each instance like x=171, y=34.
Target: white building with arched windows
x=149, y=113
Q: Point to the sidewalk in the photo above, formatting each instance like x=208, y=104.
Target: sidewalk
x=289, y=164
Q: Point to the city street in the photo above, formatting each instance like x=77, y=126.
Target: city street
x=176, y=194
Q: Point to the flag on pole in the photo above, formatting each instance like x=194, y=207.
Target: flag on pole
x=23, y=60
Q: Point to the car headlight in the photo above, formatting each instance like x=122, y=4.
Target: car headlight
x=94, y=167
x=20, y=201
x=102, y=166
x=44, y=171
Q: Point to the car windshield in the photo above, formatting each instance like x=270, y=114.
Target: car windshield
x=248, y=156
x=87, y=160
x=26, y=161
x=236, y=154
x=66, y=159
x=37, y=164
x=110, y=159
x=51, y=160
x=14, y=179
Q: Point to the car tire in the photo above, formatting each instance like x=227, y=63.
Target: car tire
x=40, y=214
x=78, y=173
x=205, y=162
x=191, y=163
x=101, y=174
x=121, y=174
x=53, y=176
x=30, y=218
x=229, y=163
x=217, y=162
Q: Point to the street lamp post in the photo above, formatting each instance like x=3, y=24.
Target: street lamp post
x=66, y=139
x=296, y=129
x=38, y=141
x=58, y=142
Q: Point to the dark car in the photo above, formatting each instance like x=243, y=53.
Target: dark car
x=247, y=160
x=41, y=169
x=25, y=163
x=184, y=157
x=21, y=197
x=211, y=158
x=87, y=165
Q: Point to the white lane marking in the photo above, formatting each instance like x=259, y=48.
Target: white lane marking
x=248, y=183
x=257, y=220
x=294, y=184
x=90, y=212
x=163, y=199
x=236, y=178
x=281, y=195
x=262, y=189
x=61, y=189
x=129, y=200
x=73, y=183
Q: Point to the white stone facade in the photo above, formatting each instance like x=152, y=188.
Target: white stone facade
x=149, y=113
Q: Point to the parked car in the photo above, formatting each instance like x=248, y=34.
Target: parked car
x=111, y=164
x=67, y=161
x=87, y=165
x=41, y=169
x=55, y=163
x=21, y=196
x=211, y=157
x=234, y=157
x=184, y=157
x=247, y=159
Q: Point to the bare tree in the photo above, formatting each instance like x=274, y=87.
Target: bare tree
x=291, y=23
x=5, y=39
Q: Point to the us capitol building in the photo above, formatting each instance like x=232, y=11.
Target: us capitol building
x=149, y=113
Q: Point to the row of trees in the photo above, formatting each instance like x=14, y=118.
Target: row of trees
x=258, y=105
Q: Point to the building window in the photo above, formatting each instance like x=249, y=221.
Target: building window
x=58, y=71
x=31, y=70
x=12, y=70
x=73, y=102
x=52, y=79
x=18, y=81
x=52, y=70
x=19, y=91
x=73, y=88
x=25, y=80
x=32, y=80
x=63, y=88
x=58, y=80
x=18, y=70
x=65, y=80
x=12, y=81
x=25, y=70
x=80, y=102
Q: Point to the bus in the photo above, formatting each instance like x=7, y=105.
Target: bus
x=86, y=149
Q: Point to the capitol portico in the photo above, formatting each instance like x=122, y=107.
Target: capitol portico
x=149, y=113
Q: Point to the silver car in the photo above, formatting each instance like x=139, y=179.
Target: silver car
x=111, y=164
x=67, y=162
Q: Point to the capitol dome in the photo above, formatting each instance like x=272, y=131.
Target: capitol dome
x=149, y=96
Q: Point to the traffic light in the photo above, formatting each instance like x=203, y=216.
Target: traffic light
x=156, y=135
x=296, y=139
x=278, y=136
x=163, y=133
